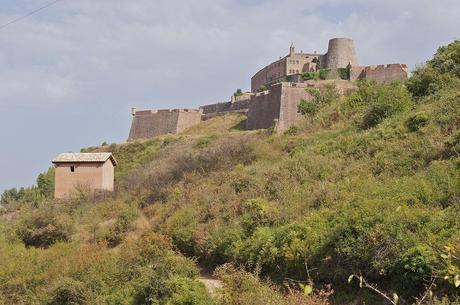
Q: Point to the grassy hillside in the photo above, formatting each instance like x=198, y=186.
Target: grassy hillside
x=366, y=184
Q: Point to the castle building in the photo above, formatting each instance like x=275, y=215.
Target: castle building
x=276, y=91
x=341, y=54
x=87, y=171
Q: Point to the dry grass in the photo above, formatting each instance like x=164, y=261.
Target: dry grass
x=219, y=125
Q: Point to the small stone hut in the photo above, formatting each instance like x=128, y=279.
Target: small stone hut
x=92, y=171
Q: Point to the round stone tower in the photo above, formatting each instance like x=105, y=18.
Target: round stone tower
x=340, y=53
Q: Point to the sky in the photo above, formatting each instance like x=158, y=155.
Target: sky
x=70, y=74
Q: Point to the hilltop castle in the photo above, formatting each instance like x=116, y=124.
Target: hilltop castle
x=276, y=91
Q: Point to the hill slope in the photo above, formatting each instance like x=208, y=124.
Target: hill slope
x=366, y=184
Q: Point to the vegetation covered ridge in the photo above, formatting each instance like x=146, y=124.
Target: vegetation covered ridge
x=359, y=203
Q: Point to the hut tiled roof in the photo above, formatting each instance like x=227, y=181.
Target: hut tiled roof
x=85, y=158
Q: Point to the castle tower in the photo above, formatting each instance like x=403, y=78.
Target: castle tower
x=341, y=52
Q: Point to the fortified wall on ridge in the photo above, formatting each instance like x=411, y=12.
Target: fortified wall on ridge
x=276, y=91
x=152, y=123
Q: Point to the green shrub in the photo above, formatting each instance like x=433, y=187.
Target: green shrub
x=220, y=247
x=258, y=213
x=203, y=142
x=310, y=76
x=262, y=88
x=417, y=121
x=70, y=292
x=243, y=288
x=324, y=73
x=320, y=74
x=45, y=183
x=308, y=108
x=293, y=130
x=238, y=92
x=117, y=232
x=326, y=95
x=452, y=145
x=447, y=111
x=438, y=72
x=320, y=97
x=344, y=73
x=185, y=291
x=388, y=100
x=44, y=227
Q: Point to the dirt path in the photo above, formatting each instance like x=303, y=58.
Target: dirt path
x=210, y=282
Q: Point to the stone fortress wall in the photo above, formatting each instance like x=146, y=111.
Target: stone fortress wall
x=380, y=73
x=151, y=123
x=237, y=104
x=276, y=106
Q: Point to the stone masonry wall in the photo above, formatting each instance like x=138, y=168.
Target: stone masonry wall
x=279, y=105
x=238, y=104
x=341, y=52
x=150, y=123
x=386, y=73
x=264, y=108
x=356, y=73
x=380, y=73
x=291, y=95
x=187, y=119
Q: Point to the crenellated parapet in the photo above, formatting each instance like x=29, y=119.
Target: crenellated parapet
x=380, y=73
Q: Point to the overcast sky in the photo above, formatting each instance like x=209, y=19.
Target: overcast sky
x=70, y=74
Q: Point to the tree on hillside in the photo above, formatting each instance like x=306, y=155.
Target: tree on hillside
x=438, y=72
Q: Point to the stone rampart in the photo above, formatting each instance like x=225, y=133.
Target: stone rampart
x=238, y=104
x=380, y=73
x=151, y=123
x=264, y=108
x=386, y=73
x=279, y=105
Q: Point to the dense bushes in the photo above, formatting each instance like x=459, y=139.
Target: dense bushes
x=156, y=176
x=378, y=102
x=44, y=227
x=319, y=98
x=70, y=291
x=244, y=288
x=321, y=74
x=145, y=271
x=417, y=121
x=308, y=108
x=440, y=72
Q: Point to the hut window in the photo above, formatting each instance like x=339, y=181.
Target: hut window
x=72, y=169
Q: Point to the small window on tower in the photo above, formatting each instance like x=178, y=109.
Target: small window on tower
x=72, y=169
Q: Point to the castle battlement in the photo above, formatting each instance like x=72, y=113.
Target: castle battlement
x=387, y=66
x=154, y=111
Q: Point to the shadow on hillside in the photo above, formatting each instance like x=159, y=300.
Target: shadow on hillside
x=241, y=126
